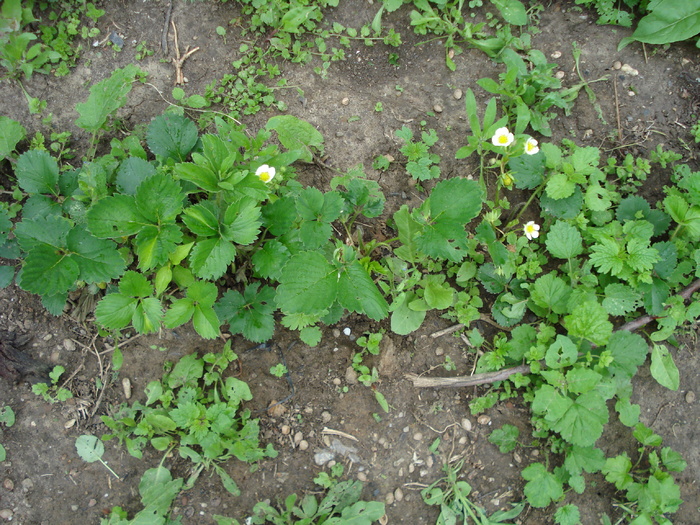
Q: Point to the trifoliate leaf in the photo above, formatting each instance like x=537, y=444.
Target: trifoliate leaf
x=37, y=172
x=202, y=219
x=132, y=172
x=250, y=314
x=98, y=259
x=308, y=284
x=542, y=486
x=589, y=321
x=115, y=310
x=106, y=97
x=663, y=368
x=564, y=240
x=172, y=136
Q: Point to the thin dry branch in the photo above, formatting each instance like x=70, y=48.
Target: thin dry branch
x=500, y=375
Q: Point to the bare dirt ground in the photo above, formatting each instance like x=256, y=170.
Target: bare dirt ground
x=45, y=482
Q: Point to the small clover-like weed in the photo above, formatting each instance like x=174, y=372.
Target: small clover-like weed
x=420, y=163
x=53, y=393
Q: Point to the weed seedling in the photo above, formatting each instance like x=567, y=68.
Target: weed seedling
x=53, y=393
x=91, y=449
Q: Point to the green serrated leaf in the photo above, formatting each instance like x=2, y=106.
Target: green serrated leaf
x=308, y=284
x=37, y=172
x=589, y=321
x=11, y=133
x=172, y=136
x=542, y=487
x=357, y=292
x=106, y=97
x=564, y=240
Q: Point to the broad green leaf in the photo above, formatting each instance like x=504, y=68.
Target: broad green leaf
x=583, y=422
x=663, y=368
x=227, y=481
x=527, y=171
x=242, y=222
x=89, y=448
x=564, y=240
x=580, y=380
x=628, y=412
x=268, y=261
x=48, y=271
x=542, y=486
x=297, y=135
x=205, y=322
x=438, y=294
x=210, y=258
x=358, y=293
x=202, y=219
x=505, y=438
x=187, y=372
x=669, y=21
x=250, y=314
x=646, y=436
x=561, y=353
x=672, y=460
x=106, y=97
x=172, y=136
x=115, y=310
x=578, y=459
x=629, y=351
x=408, y=229
x=158, y=489
x=37, y=172
x=567, y=515
x=11, y=133
x=617, y=471
x=311, y=335
x=308, y=284
x=559, y=186
x=148, y=315
x=608, y=255
x=159, y=198
x=237, y=391
x=132, y=172
x=513, y=11
x=404, y=320
x=98, y=259
x=621, y=299
x=589, y=321
x=115, y=217
x=154, y=244
x=551, y=403
x=551, y=292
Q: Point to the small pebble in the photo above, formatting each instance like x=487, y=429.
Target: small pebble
x=690, y=397
x=303, y=445
x=351, y=376
x=467, y=424
x=6, y=514
x=92, y=502
x=629, y=70
x=275, y=410
x=484, y=419
x=439, y=351
x=285, y=429
x=411, y=468
x=347, y=331
x=298, y=437
x=556, y=54
x=69, y=345
x=345, y=101
x=631, y=93
x=336, y=333
x=69, y=424
x=463, y=440
x=517, y=457
x=74, y=508
x=437, y=108
x=325, y=416
x=429, y=462
x=55, y=356
x=418, y=436
x=126, y=386
x=389, y=498
x=559, y=75
x=398, y=494
x=8, y=485
x=617, y=64
x=361, y=476
x=27, y=485
x=457, y=94
x=337, y=381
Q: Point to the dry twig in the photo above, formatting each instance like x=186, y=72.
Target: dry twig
x=179, y=61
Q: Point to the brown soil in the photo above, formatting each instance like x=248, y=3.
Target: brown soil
x=45, y=482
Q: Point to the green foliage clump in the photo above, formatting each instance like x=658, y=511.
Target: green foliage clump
x=196, y=409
